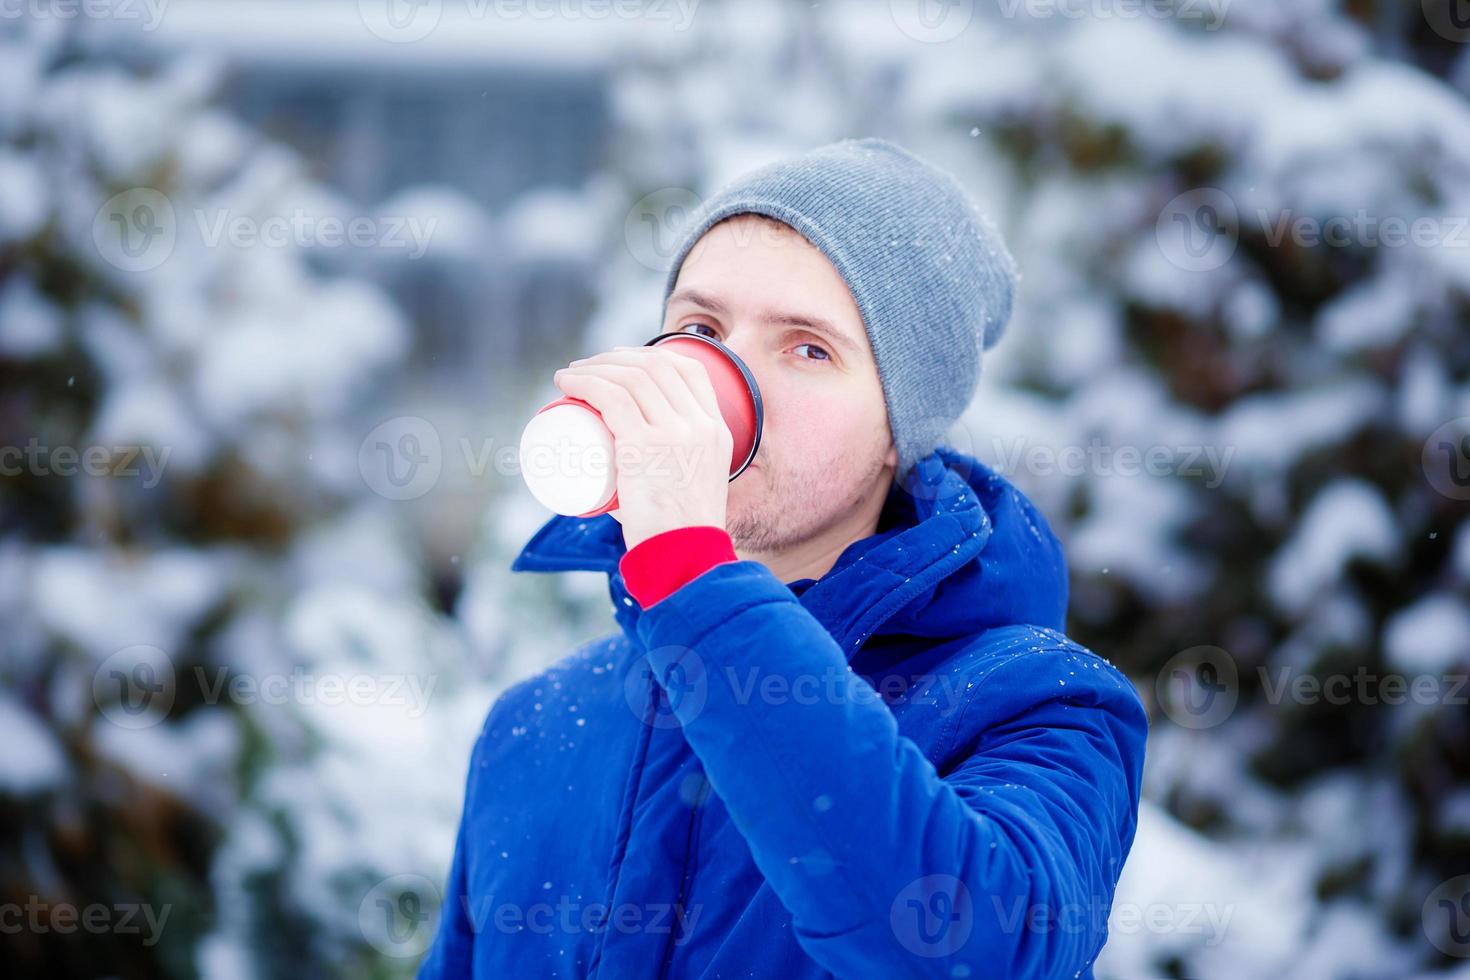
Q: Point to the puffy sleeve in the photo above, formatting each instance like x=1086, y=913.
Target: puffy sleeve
x=1005, y=863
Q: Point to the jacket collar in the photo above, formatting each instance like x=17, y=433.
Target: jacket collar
x=935, y=567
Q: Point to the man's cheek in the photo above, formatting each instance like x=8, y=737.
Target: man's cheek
x=789, y=449
x=807, y=419
x=806, y=429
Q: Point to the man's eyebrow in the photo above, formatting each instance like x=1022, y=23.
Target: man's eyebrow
x=704, y=300
x=812, y=323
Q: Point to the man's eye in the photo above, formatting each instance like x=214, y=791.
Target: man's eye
x=825, y=356
x=687, y=326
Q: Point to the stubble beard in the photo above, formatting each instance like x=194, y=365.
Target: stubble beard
x=795, y=507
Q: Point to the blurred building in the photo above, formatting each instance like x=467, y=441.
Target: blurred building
x=485, y=125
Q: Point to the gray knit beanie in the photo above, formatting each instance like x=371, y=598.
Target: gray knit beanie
x=930, y=274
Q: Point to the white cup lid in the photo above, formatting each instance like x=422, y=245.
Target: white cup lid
x=567, y=459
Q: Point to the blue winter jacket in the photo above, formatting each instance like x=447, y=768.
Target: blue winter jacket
x=902, y=769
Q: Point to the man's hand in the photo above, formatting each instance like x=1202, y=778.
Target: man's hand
x=672, y=447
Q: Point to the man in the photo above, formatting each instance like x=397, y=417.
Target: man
x=840, y=730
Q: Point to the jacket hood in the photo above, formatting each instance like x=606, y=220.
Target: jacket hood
x=958, y=550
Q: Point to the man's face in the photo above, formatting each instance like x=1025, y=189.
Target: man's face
x=775, y=300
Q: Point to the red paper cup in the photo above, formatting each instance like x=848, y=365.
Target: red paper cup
x=567, y=452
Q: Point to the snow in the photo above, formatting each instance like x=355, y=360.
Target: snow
x=212, y=145
x=1251, y=310
x=364, y=547
x=148, y=412
x=32, y=760
x=114, y=343
x=454, y=225
x=30, y=324
x=1424, y=398
x=553, y=224
x=1347, y=520
x=1367, y=315
x=1087, y=334
x=341, y=333
x=126, y=126
x=1430, y=637
x=1375, y=104
x=1234, y=911
x=1146, y=77
x=102, y=602
x=24, y=197
x=1269, y=431
x=1109, y=538
x=195, y=759
x=1347, y=935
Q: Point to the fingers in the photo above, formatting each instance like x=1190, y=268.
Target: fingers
x=697, y=377
x=661, y=381
x=616, y=403
x=658, y=400
x=653, y=404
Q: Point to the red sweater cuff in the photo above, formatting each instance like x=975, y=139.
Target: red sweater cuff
x=656, y=567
